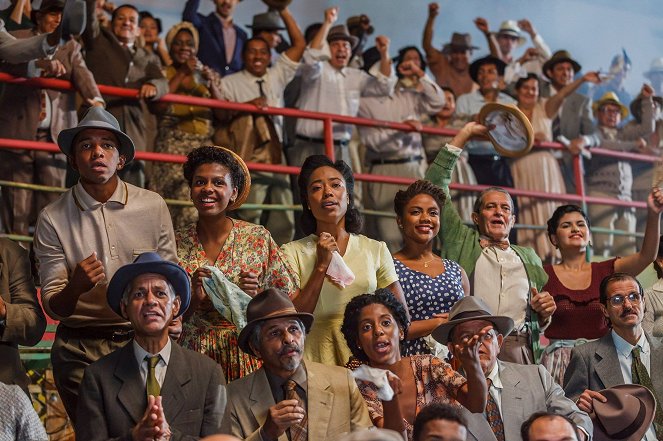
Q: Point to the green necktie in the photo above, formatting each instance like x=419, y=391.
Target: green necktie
x=639, y=375
x=153, y=387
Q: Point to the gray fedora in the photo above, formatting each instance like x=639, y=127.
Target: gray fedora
x=340, y=32
x=267, y=21
x=97, y=118
x=459, y=41
x=471, y=308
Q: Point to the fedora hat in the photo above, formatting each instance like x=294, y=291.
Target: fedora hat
x=45, y=7
x=144, y=264
x=610, y=98
x=340, y=32
x=510, y=28
x=459, y=41
x=656, y=66
x=357, y=21
x=511, y=132
x=471, y=308
x=636, y=106
x=560, y=57
x=97, y=118
x=267, y=21
x=269, y=304
x=626, y=415
x=488, y=59
x=74, y=19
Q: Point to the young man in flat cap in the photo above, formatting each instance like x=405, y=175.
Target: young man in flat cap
x=152, y=388
x=309, y=400
x=82, y=238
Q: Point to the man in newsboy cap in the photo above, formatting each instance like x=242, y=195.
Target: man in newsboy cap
x=81, y=239
x=151, y=388
x=310, y=400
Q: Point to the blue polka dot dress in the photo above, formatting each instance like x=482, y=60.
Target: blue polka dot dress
x=427, y=295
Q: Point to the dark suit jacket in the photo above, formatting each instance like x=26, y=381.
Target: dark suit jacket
x=595, y=366
x=25, y=322
x=335, y=405
x=112, y=396
x=526, y=389
x=212, y=51
x=114, y=65
x=20, y=106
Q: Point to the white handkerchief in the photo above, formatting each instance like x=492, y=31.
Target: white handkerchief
x=339, y=272
x=376, y=376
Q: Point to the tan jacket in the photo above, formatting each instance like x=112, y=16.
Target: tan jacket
x=335, y=405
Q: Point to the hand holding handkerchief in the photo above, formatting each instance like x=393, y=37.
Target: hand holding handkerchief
x=339, y=272
x=378, y=377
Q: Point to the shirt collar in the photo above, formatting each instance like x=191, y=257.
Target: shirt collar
x=494, y=376
x=224, y=23
x=299, y=376
x=141, y=353
x=85, y=202
x=624, y=348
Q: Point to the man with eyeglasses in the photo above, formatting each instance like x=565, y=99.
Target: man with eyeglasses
x=626, y=355
x=515, y=391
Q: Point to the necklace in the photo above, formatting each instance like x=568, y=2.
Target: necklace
x=426, y=262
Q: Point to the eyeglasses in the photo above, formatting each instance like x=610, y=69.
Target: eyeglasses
x=618, y=300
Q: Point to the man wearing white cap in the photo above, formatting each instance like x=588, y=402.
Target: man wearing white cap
x=82, y=238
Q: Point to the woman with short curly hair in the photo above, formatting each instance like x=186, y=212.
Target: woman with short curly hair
x=333, y=224
x=431, y=285
x=375, y=326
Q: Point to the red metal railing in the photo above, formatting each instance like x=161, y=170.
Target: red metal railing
x=328, y=120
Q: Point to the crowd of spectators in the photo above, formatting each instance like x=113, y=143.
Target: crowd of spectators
x=184, y=322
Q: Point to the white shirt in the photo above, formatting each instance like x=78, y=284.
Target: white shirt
x=242, y=86
x=496, y=387
x=515, y=70
x=624, y=350
x=330, y=90
x=161, y=367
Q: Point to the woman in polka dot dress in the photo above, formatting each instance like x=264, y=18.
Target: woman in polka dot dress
x=432, y=285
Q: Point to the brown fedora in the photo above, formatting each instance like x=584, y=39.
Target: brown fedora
x=459, y=41
x=626, y=415
x=636, y=106
x=340, y=32
x=269, y=304
x=560, y=57
x=471, y=308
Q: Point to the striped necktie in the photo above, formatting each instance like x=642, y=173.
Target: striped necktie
x=298, y=432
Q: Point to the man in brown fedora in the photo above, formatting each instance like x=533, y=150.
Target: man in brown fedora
x=81, y=239
x=515, y=391
x=626, y=355
x=329, y=85
x=310, y=401
x=449, y=66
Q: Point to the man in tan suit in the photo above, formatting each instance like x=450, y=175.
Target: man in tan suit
x=310, y=401
x=39, y=115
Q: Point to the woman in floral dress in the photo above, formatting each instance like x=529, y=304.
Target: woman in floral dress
x=245, y=253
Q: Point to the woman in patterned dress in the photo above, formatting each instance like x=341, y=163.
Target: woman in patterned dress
x=182, y=126
x=431, y=285
x=374, y=326
x=245, y=253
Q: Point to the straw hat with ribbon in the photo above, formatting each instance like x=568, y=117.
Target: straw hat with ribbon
x=610, y=98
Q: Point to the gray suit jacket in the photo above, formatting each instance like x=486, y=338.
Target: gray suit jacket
x=20, y=105
x=20, y=51
x=112, y=396
x=335, y=405
x=595, y=366
x=526, y=389
x=25, y=322
x=576, y=118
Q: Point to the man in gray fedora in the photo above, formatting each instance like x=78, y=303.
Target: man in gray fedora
x=151, y=388
x=308, y=400
x=81, y=239
x=514, y=390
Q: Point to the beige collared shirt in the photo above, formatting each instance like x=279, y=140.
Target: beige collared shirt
x=69, y=230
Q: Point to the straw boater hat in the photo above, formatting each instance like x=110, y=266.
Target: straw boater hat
x=560, y=57
x=97, y=118
x=610, y=98
x=186, y=26
x=626, y=415
x=269, y=304
x=511, y=29
x=471, y=308
x=340, y=32
x=459, y=41
x=144, y=264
